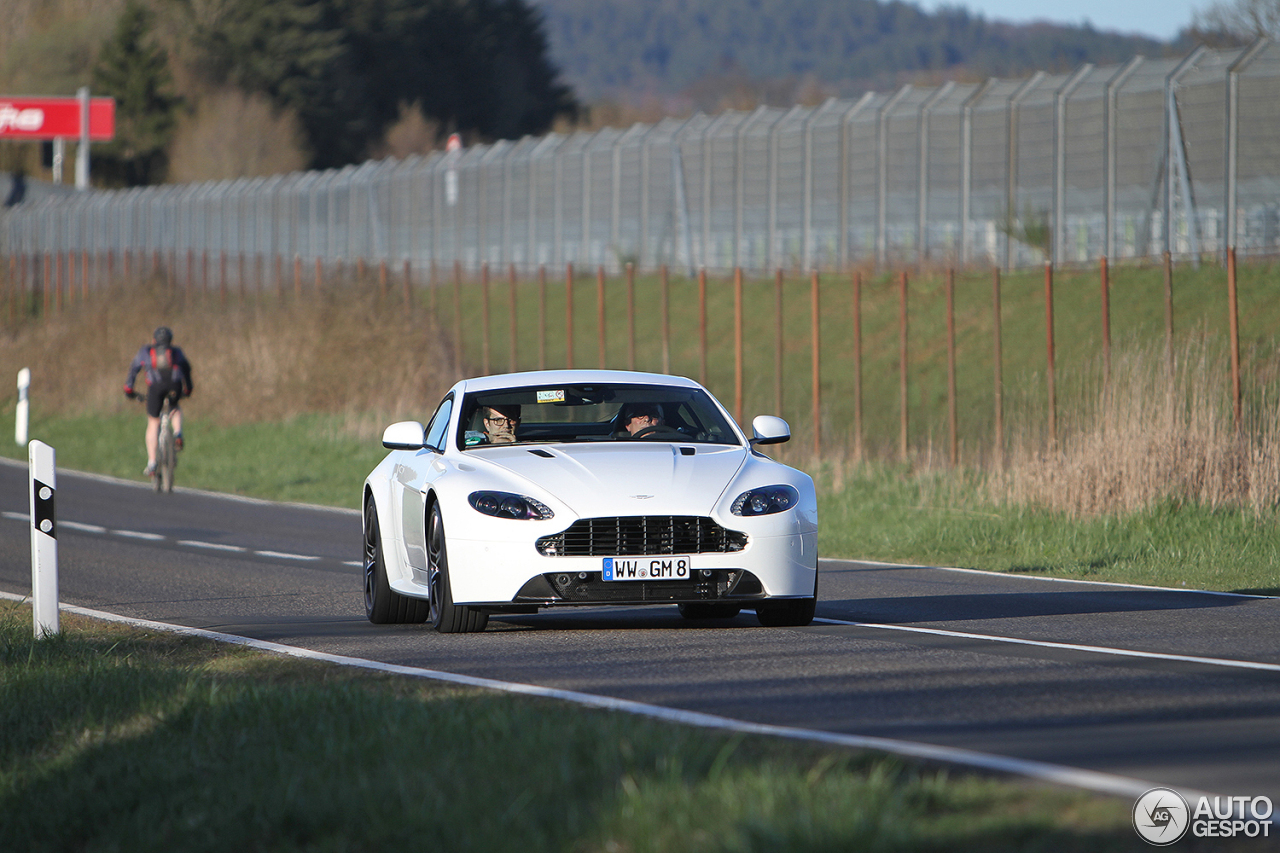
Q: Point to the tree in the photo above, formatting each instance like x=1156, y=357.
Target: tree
x=1244, y=19
x=135, y=71
x=349, y=68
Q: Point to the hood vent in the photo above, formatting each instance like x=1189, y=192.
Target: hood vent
x=538, y=451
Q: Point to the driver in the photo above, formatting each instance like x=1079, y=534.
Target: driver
x=500, y=423
x=643, y=419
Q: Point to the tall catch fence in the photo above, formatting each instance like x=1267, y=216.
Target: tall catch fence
x=1174, y=155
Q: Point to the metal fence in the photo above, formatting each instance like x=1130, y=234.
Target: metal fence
x=1178, y=155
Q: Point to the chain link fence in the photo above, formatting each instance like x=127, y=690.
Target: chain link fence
x=1157, y=155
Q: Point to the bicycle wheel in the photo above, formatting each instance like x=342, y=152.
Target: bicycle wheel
x=166, y=456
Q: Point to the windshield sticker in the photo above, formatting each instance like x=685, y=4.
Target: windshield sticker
x=551, y=396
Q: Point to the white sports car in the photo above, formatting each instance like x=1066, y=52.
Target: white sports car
x=586, y=487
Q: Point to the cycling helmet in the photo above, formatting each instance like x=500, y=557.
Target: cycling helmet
x=163, y=336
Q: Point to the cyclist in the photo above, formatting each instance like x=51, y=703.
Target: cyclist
x=168, y=374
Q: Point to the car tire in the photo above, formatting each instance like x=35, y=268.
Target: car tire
x=446, y=617
x=709, y=610
x=788, y=612
x=382, y=605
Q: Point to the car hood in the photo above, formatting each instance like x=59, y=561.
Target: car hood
x=623, y=479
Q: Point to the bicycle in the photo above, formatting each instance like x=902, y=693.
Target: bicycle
x=166, y=449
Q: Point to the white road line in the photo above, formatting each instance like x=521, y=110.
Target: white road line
x=995, y=574
x=212, y=546
x=1090, y=780
x=83, y=528
x=356, y=563
x=280, y=555
x=190, y=543
x=1105, y=650
x=138, y=534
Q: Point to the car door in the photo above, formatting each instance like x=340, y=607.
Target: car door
x=411, y=481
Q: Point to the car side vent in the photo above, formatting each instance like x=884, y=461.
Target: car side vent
x=538, y=451
x=687, y=451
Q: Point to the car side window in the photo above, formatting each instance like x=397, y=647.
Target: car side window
x=439, y=424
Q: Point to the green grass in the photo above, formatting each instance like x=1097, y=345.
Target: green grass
x=881, y=513
x=875, y=511
x=117, y=739
x=308, y=459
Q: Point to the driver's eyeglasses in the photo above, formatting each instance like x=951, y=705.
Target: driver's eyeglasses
x=500, y=421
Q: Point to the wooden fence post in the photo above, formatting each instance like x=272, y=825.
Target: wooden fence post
x=857, y=367
x=1234, y=323
x=737, y=344
x=1050, y=354
x=568, y=316
x=952, y=415
x=996, y=323
x=484, y=309
x=702, y=325
x=817, y=363
x=1106, y=321
x=903, y=429
x=600, y=314
x=511, y=281
x=631, y=316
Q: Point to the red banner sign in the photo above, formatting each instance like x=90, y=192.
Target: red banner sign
x=51, y=118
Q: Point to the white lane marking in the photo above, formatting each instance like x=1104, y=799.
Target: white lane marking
x=1090, y=780
x=1105, y=650
x=356, y=563
x=280, y=555
x=190, y=543
x=995, y=574
x=138, y=534
x=213, y=546
x=83, y=528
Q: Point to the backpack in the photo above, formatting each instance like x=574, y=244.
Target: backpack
x=162, y=362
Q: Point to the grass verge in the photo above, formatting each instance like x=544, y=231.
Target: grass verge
x=113, y=738
x=944, y=519
x=871, y=511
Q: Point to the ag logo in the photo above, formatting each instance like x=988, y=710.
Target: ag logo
x=1161, y=816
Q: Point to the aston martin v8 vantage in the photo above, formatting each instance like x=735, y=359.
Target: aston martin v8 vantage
x=586, y=487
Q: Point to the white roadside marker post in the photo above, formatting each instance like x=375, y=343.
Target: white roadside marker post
x=44, y=539
x=23, y=412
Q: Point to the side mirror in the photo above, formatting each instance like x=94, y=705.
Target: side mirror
x=405, y=435
x=767, y=429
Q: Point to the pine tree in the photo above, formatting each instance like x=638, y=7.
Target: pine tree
x=135, y=71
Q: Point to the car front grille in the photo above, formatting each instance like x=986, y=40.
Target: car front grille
x=642, y=536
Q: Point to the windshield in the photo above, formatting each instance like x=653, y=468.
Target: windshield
x=591, y=412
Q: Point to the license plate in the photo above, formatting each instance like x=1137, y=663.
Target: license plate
x=647, y=568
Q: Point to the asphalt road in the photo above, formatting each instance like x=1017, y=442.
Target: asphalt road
x=906, y=652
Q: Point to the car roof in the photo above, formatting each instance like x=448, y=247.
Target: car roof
x=570, y=377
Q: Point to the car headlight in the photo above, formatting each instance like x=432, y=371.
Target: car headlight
x=507, y=505
x=766, y=501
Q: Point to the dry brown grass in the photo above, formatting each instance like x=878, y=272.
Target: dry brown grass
x=346, y=351
x=1144, y=438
